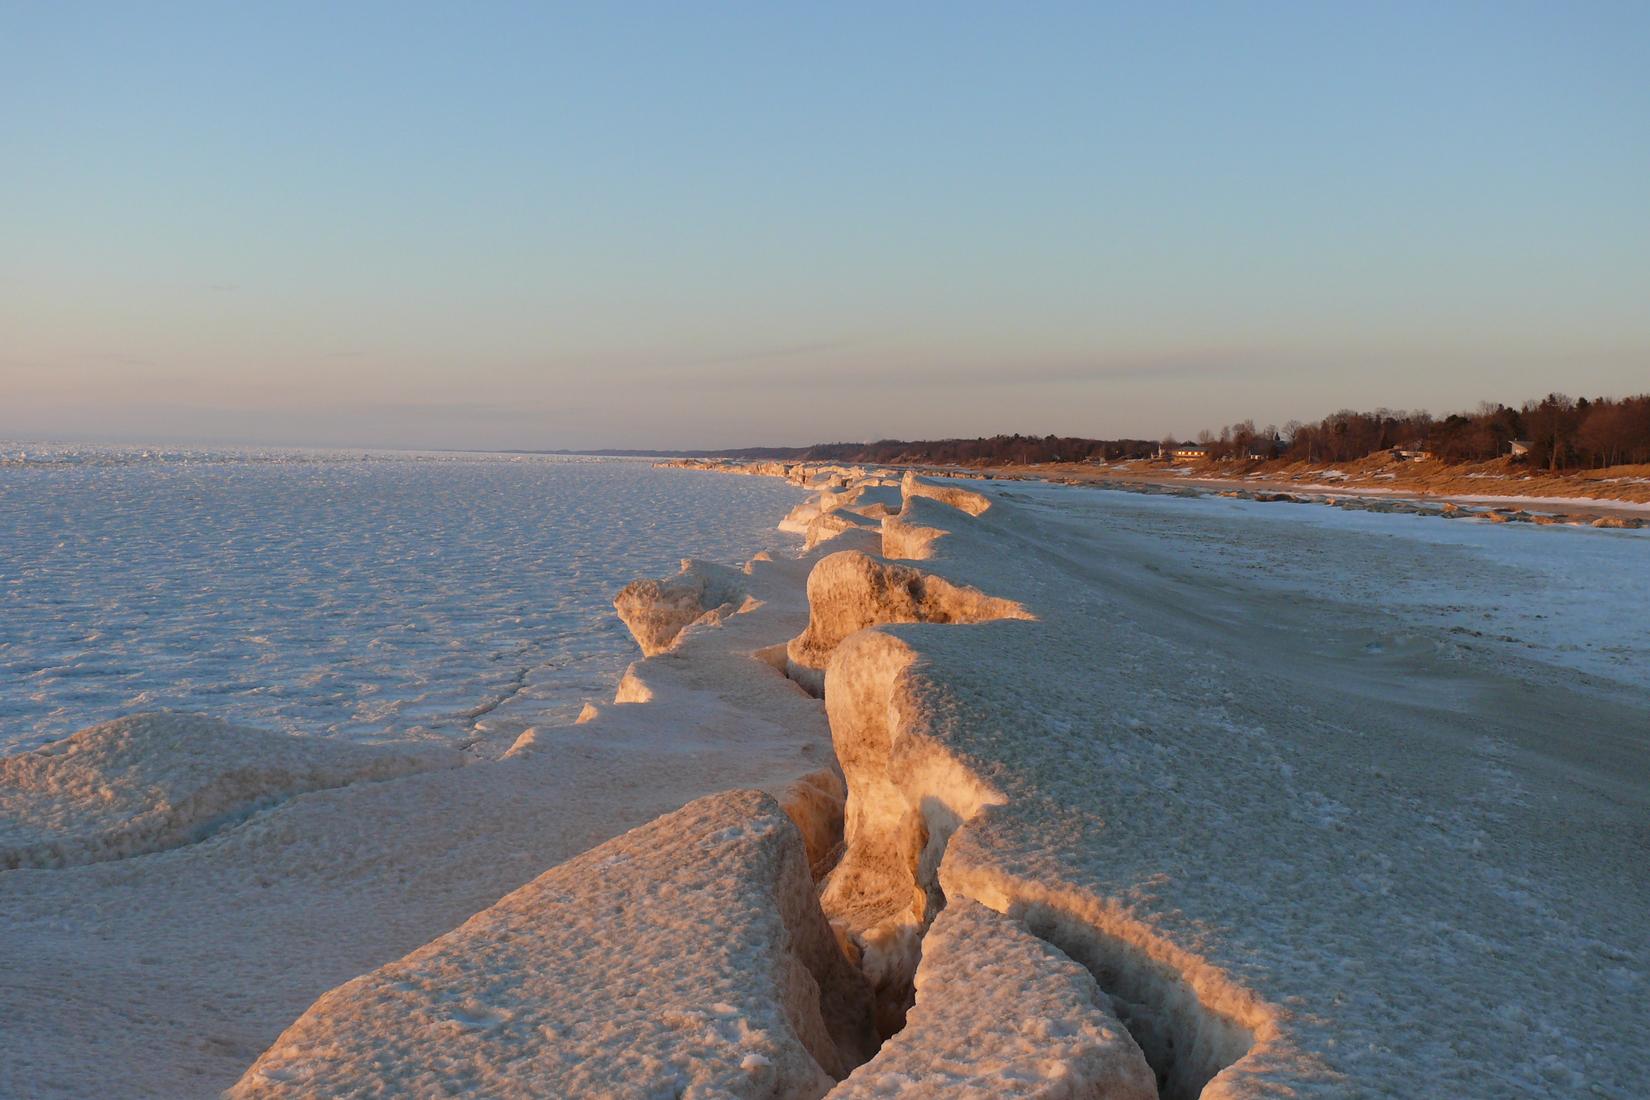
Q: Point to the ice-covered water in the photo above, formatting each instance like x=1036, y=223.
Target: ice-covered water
x=358, y=595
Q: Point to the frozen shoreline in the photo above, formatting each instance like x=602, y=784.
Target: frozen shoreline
x=1277, y=833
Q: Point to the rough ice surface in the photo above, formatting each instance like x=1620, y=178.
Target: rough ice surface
x=1236, y=761
x=166, y=975
x=849, y=590
x=1000, y=1013
x=154, y=781
x=360, y=595
x=655, y=611
x=1308, y=845
x=685, y=958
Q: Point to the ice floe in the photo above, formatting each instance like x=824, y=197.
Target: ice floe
x=685, y=958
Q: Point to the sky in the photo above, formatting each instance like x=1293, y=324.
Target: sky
x=710, y=225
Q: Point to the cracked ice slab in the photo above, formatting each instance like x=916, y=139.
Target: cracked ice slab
x=1299, y=863
x=1000, y=1013
x=686, y=957
x=167, y=978
x=153, y=781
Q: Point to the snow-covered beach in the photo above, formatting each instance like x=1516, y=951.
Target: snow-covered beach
x=1273, y=801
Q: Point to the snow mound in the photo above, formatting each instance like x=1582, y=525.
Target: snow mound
x=911, y=532
x=154, y=781
x=964, y=500
x=829, y=525
x=850, y=590
x=865, y=496
x=796, y=521
x=1000, y=1013
x=655, y=611
x=686, y=957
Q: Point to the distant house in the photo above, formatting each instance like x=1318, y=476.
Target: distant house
x=1188, y=452
x=1412, y=453
x=1518, y=448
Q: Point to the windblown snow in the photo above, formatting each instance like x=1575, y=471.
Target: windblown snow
x=1144, y=796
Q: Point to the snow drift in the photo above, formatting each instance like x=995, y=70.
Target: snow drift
x=158, y=780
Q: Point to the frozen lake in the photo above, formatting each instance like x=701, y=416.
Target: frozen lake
x=352, y=594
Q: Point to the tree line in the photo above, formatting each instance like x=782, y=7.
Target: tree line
x=1558, y=432
x=996, y=450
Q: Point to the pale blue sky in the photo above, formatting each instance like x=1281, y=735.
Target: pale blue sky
x=692, y=224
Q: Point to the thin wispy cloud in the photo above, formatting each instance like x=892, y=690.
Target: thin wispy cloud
x=787, y=351
x=882, y=377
